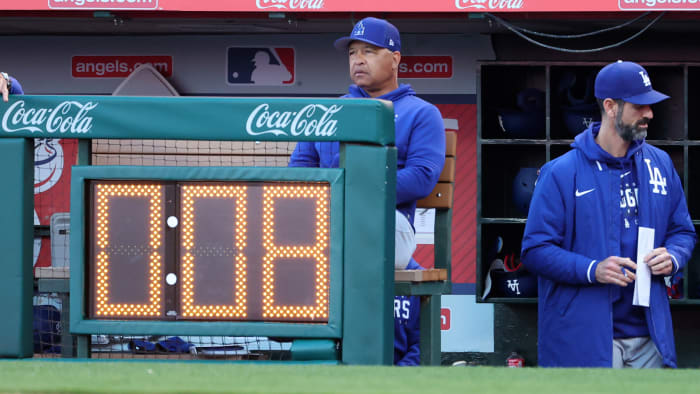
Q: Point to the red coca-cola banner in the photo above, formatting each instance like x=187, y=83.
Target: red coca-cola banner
x=358, y=5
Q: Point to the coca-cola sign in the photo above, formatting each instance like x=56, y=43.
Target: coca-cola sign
x=311, y=120
x=289, y=4
x=66, y=117
x=489, y=4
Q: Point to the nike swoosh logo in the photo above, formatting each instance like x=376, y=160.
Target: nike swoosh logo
x=579, y=194
x=625, y=174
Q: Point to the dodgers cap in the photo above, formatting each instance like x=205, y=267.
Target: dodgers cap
x=373, y=31
x=627, y=81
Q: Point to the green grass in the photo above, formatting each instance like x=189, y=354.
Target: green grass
x=81, y=377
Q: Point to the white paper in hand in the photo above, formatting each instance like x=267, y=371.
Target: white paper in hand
x=642, y=285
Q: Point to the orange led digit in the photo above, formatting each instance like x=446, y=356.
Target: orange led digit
x=106, y=252
x=275, y=254
x=191, y=194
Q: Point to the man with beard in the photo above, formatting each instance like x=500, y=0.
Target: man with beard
x=581, y=236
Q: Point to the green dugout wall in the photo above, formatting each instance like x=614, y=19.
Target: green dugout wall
x=16, y=234
x=362, y=319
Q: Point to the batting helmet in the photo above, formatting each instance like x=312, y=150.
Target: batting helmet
x=528, y=121
x=579, y=107
x=508, y=278
x=523, y=187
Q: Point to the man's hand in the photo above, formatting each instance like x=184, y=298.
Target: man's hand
x=3, y=89
x=660, y=261
x=612, y=270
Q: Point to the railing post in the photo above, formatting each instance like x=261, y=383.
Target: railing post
x=16, y=236
x=368, y=272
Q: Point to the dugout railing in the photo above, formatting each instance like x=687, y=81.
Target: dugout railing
x=360, y=250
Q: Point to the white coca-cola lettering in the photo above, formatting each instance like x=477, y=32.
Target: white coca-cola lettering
x=290, y=4
x=505, y=4
x=313, y=119
x=62, y=119
x=306, y=4
x=490, y=4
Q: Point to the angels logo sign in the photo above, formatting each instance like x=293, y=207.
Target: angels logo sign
x=48, y=163
x=260, y=66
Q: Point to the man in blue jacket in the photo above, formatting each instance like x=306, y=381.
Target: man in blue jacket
x=582, y=229
x=373, y=50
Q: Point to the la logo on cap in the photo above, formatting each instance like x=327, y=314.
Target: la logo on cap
x=359, y=30
x=645, y=78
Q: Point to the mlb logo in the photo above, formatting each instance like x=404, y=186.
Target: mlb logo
x=267, y=66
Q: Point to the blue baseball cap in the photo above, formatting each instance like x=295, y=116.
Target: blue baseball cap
x=627, y=81
x=374, y=31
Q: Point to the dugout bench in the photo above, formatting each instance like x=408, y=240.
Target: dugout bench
x=430, y=284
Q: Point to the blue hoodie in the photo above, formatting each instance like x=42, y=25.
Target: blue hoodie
x=574, y=223
x=407, y=326
x=420, y=141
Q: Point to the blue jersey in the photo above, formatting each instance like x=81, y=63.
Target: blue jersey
x=407, y=326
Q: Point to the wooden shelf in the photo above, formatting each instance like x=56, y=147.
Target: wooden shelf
x=503, y=220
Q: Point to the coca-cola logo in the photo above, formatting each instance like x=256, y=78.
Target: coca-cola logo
x=66, y=117
x=290, y=4
x=313, y=119
x=489, y=4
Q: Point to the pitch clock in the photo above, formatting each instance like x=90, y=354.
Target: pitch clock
x=209, y=250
